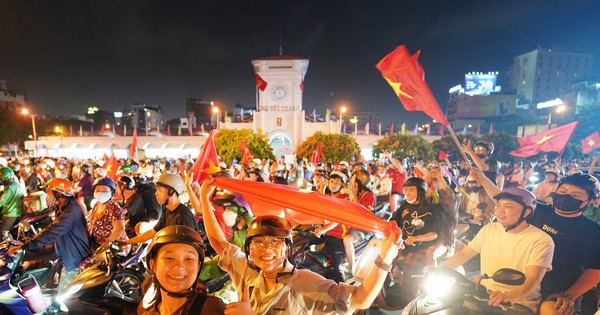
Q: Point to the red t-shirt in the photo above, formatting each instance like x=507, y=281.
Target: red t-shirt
x=398, y=180
x=367, y=199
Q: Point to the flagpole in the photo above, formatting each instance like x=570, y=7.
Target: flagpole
x=460, y=148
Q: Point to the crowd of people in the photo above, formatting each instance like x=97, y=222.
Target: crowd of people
x=538, y=218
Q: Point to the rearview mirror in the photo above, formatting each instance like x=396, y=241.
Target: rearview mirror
x=509, y=276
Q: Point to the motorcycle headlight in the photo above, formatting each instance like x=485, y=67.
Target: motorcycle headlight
x=438, y=286
x=70, y=291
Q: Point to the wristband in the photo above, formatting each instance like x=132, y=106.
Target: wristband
x=383, y=266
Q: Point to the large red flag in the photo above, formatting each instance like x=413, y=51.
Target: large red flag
x=207, y=162
x=407, y=78
x=317, y=154
x=133, y=148
x=553, y=140
x=112, y=166
x=297, y=205
x=590, y=143
x=262, y=84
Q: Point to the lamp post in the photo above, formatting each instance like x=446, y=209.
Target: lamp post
x=354, y=120
x=343, y=109
x=559, y=109
x=216, y=111
x=26, y=112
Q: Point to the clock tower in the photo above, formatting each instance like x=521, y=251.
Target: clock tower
x=279, y=106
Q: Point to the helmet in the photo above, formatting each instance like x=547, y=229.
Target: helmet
x=126, y=169
x=585, y=181
x=15, y=166
x=552, y=171
x=268, y=225
x=86, y=169
x=363, y=177
x=3, y=161
x=62, y=186
x=362, y=165
x=225, y=174
x=6, y=173
x=105, y=181
x=235, y=203
x=127, y=181
x=340, y=175
x=172, y=181
x=322, y=173
x=50, y=163
x=522, y=196
x=415, y=182
x=179, y=234
x=140, y=179
x=487, y=144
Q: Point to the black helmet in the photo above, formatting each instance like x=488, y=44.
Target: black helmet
x=105, y=181
x=416, y=182
x=176, y=234
x=86, y=169
x=225, y=174
x=363, y=177
x=585, y=181
x=487, y=144
x=322, y=173
x=127, y=181
x=140, y=179
x=269, y=225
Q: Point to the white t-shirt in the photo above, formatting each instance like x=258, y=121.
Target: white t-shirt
x=500, y=249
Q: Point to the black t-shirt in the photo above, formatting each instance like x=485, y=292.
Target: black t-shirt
x=179, y=216
x=417, y=220
x=153, y=209
x=136, y=209
x=576, y=247
x=493, y=169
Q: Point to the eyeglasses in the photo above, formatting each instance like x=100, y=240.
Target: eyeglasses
x=264, y=242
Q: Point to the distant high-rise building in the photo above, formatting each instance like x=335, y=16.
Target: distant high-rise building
x=547, y=73
x=143, y=117
x=9, y=99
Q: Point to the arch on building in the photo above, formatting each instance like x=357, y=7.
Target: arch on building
x=74, y=146
x=58, y=146
x=280, y=141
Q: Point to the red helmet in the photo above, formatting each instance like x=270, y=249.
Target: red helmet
x=62, y=186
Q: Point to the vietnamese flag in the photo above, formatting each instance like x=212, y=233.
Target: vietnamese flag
x=407, y=78
x=134, y=144
x=317, y=153
x=207, y=162
x=590, y=143
x=262, y=84
x=111, y=167
x=553, y=140
x=418, y=172
x=442, y=156
x=298, y=205
x=105, y=158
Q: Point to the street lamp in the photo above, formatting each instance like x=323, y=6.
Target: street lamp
x=354, y=120
x=343, y=109
x=216, y=111
x=26, y=112
x=559, y=109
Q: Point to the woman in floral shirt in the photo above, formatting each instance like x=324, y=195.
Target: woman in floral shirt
x=107, y=219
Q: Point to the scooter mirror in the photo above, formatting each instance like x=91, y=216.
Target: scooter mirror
x=509, y=276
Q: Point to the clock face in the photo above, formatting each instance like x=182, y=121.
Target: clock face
x=279, y=92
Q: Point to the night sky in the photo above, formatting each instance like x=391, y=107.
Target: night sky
x=68, y=55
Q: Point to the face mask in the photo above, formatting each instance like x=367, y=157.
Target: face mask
x=481, y=156
x=566, y=203
x=102, y=197
x=229, y=217
x=51, y=201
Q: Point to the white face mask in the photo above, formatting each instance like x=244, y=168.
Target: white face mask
x=229, y=217
x=102, y=197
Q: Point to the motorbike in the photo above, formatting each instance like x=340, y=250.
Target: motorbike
x=307, y=255
x=447, y=292
x=113, y=285
x=26, y=286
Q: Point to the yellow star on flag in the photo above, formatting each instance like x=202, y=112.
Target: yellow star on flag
x=397, y=86
x=591, y=142
x=544, y=139
x=212, y=168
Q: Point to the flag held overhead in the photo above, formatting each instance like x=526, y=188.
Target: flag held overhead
x=407, y=78
x=553, y=140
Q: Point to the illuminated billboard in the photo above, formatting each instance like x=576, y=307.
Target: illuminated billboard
x=479, y=83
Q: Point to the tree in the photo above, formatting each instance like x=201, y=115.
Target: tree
x=335, y=147
x=228, y=143
x=404, y=146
